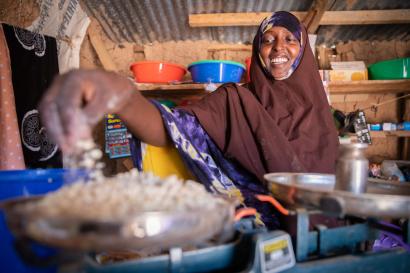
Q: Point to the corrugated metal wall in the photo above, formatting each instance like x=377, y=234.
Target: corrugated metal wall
x=146, y=21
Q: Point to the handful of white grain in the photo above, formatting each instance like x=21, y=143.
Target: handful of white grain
x=124, y=195
x=86, y=155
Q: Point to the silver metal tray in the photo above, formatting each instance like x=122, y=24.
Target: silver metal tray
x=147, y=230
x=382, y=198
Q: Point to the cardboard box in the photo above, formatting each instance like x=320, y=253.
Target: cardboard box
x=356, y=65
x=348, y=75
x=348, y=71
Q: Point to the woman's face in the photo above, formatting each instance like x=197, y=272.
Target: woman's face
x=279, y=50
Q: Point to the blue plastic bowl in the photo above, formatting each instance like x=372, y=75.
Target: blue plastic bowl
x=28, y=183
x=216, y=71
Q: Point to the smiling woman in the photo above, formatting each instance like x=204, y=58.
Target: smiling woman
x=279, y=122
x=280, y=46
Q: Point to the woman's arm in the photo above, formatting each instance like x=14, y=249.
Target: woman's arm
x=144, y=120
x=77, y=100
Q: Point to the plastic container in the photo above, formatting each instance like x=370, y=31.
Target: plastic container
x=390, y=69
x=404, y=126
x=157, y=72
x=27, y=183
x=376, y=127
x=389, y=126
x=216, y=71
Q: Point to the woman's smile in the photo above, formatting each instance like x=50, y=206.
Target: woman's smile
x=279, y=60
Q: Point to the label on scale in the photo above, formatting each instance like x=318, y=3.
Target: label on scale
x=276, y=254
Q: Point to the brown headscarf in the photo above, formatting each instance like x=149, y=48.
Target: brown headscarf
x=273, y=125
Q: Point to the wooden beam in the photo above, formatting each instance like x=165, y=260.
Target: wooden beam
x=230, y=47
x=366, y=17
x=98, y=45
x=227, y=19
x=349, y=17
x=314, y=15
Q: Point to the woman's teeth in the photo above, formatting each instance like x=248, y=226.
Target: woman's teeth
x=279, y=60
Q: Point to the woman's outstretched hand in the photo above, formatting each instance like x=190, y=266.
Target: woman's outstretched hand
x=77, y=100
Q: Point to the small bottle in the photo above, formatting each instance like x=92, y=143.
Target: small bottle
x=352, y=168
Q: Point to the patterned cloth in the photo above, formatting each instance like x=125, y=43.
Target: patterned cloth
x=11, y=153
x=391, y=236
x=33, y=62
x=204, y=159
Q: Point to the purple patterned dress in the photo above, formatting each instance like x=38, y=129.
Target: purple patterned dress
x=204, y=159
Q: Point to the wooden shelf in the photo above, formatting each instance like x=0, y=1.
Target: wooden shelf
x=352, y=87
x=186, y=89
x=384, y=134
x=183, y=86
x=369, y=87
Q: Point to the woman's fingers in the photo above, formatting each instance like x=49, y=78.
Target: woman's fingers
x=51, y=121
x=61, y=111
x=49, y=114
x=77, y=100
x=115, y=93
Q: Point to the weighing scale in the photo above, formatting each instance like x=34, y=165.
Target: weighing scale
x=345, y=248
x=321, y=248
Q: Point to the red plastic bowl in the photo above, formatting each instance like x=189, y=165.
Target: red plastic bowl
x=157, y=72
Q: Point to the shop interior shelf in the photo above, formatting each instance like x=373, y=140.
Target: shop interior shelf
x=341, y=87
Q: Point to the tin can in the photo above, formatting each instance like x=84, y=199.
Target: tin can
x=352, y=168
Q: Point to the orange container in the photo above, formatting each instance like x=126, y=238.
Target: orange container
x=157, y=72
x=248, y=68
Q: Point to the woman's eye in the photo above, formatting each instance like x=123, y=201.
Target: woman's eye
x=291, y=39
x=268, y=40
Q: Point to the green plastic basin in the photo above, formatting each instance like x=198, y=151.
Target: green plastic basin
x=390, y=69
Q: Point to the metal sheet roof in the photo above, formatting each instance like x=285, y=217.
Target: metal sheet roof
x=147, y=21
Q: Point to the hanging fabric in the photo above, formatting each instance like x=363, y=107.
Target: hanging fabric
x=34, y=63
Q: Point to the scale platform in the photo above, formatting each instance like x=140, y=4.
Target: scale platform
x=275, y=247
x=325, y=250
